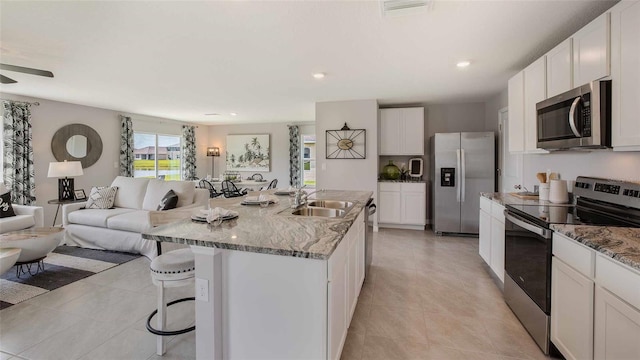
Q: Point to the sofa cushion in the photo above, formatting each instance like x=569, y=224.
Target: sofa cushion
x=135, y=221
x=95, y=217
x=130, y=192
x=168, y=202
x=157, y=189
x=6, y=210
x=101, y=197
x=17, y=222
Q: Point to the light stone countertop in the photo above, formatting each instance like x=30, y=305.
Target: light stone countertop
x=271, y=230
x=620, y=243
x=508, y=199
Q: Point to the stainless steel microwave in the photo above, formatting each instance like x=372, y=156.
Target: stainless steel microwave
x=579, y=118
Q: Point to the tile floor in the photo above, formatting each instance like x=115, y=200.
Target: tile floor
x=426, y=297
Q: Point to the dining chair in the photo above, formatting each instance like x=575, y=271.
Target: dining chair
x=256, y=177
x=204, y=184
x=272, y=184
x=229, y=190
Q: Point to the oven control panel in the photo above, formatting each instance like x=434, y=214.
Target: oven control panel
x=624, y=193
x=607, y=188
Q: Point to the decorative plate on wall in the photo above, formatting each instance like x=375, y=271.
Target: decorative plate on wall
x=346, y=143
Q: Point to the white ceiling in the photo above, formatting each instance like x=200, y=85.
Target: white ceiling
x=181, y=60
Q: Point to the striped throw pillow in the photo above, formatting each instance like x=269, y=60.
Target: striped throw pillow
x=101, y=197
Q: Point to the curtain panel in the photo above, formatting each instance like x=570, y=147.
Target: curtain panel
x=188, y=152
x=295, y=170
x=18, y=172
x=126, y=146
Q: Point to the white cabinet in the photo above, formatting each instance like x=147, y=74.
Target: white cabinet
x=491, y=235
x=402, y=131
x=402, y=203
x=625, y=75
x=516, y=113
x=595, y=303
x=571, y=311
x=535, y=90
x=591, y=51
x=560, y=68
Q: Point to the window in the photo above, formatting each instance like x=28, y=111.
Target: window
x=156, y=156
x=309, y=160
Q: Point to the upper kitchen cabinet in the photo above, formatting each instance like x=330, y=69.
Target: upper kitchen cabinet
x=402, y=131
x=591, y=51
x=560, y=68
x=516, y=113
x=625, y=75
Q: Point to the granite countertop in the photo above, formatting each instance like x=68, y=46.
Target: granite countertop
x=403, y=181
x=508, y=199
x=271, y=230
x=619, y=243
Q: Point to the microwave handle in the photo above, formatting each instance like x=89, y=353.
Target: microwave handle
x=572, y=117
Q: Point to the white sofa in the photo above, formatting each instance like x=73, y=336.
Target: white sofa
x=120, y=227
x=26, y=217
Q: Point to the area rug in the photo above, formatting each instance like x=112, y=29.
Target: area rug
x=65, y=265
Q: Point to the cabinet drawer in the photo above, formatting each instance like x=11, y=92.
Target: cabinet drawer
x=497, y=211
x=485, y=204
x=574, y=254
x=421, y=188
x=618, y=279
x=388, y=186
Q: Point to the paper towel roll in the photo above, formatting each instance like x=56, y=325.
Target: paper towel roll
x=558, y=192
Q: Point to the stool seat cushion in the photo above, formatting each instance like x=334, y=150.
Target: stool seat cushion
x=174, y=262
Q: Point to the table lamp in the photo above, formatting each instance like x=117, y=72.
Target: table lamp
x=214, y=152
x=62, y=171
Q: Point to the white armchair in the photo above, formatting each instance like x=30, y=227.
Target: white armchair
x=26, y=217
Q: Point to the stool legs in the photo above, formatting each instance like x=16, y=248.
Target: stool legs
x=161, y=319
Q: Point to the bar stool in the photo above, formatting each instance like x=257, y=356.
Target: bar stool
x=172, y=269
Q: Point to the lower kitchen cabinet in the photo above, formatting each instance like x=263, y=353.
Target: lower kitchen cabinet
x=484, y=237
x=402, y=204
x=491, y=235
x=617, y=327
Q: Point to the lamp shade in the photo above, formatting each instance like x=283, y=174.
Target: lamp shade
x=213, y=151
x=64, y=169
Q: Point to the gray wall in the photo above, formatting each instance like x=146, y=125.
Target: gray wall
x=50, y=116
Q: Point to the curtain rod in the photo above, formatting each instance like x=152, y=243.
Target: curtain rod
x=22, y=102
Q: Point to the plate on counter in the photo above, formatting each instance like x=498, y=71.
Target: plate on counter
x=284, y=192
x=198, y=218
x=255, y=202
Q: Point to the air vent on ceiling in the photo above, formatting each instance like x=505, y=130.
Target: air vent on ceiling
x=397, y=7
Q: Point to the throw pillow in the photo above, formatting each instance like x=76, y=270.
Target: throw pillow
x=6, y=210
x=169, y=201
x=101, y=197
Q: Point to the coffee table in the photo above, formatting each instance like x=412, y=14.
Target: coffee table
x=8, y=258
x=35, y=243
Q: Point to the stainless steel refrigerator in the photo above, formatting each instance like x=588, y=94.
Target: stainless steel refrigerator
x=463, y=166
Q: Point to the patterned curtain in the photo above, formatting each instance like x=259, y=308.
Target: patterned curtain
x=126, y=146
x=295, y=171
x=18, y=171
x=188, y=152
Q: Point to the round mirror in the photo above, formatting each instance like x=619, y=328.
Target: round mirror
x=77, y=142
x=77, y=146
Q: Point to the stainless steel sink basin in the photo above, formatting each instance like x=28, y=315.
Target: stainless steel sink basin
x=331, y=204
x=318, y=211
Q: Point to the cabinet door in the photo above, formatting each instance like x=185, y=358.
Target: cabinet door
x=625, y=73
x=516, y=113
x=337, y=299
x=617, y=328
x=352, y=276
x=591, y=51
x=361, y=254
x=571, y=311
x=535, y=90
x=484, y=237
x=414, y=205
x=412, y=138
x=560, y=69
x=389, y=207
x=390, y=125
x=497, y=247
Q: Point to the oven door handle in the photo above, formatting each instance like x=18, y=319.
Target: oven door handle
x=545, y=233
x=572, y=117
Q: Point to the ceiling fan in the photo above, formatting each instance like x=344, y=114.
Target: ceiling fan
x=26, y=70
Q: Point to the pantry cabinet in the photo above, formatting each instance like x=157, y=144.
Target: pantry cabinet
x=402, y=131
x=625, y=75
x=402, y=204
x=591, y=51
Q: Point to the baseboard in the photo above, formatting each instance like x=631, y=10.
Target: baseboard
x=402, y=226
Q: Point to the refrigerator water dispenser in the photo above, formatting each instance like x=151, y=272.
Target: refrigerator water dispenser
x=448, y=177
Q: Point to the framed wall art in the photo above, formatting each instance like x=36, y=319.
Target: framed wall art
x=248, y=152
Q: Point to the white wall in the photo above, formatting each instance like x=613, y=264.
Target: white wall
x=278, y=144
x=50, y=116
x=347, y=174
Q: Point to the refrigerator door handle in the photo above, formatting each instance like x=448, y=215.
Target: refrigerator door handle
x=463, y=175
x=457, y=177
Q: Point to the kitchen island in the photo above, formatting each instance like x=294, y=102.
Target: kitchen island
x=271, y=284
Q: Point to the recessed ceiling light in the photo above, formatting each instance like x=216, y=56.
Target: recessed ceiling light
x=319, y=75
x=463, y=64
x=233, y=114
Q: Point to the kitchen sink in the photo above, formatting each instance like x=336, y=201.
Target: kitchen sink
x=319, y=211
x=331, y=204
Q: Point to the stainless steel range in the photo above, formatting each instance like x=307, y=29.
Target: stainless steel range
x=528, y=244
